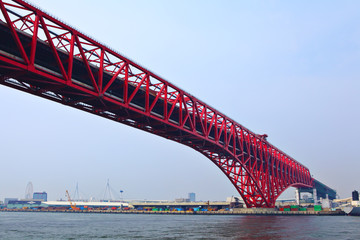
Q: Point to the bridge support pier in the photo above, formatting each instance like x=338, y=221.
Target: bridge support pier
x=315, y=196
x=297, y=196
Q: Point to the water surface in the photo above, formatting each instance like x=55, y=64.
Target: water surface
x=28, y=225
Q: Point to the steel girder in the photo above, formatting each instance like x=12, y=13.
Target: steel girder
x=43, y=56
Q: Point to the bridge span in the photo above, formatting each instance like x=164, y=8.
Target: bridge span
x=43, y=56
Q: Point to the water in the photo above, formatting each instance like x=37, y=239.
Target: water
x=22, y=225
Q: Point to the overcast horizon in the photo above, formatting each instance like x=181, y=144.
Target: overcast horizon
x=287, y=69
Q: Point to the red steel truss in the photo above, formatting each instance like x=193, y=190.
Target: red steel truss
x=43, y=56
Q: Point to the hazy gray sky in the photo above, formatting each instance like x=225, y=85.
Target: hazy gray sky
x=286, y=68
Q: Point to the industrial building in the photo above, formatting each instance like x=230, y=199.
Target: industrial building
x=87, y=204
x=17, y=204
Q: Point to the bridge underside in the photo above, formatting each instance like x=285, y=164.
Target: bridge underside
x=44, y=57
x=322, y=190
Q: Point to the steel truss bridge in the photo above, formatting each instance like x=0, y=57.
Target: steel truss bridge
x=43, y=56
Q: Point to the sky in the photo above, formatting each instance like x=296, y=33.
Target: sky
x=289, y=69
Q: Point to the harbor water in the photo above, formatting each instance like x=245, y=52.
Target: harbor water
x=42, y=225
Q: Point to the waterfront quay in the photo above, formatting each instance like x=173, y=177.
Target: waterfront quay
x=242, y=211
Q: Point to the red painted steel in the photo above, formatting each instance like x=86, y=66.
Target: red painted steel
x=45, y=57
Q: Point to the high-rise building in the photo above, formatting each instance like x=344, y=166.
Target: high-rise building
x=40, y=196
x=355, y=195
x=192, y=197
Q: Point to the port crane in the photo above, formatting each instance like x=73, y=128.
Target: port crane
x=72, y=205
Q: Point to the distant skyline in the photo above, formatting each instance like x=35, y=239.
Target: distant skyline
x=289, y=69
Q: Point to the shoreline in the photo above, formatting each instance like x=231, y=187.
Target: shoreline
x=269, y=212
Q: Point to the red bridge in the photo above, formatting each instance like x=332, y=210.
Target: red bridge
x=41, y=55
